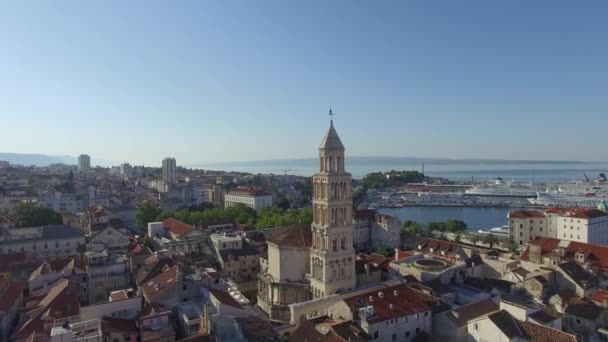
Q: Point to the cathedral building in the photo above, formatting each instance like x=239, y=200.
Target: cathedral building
x=317, y=260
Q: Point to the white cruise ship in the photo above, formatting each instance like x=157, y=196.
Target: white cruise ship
x=501, y=189
x=553, y=199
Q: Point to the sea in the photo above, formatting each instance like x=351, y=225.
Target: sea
x=475, y=217
x=453, y=169
x=478, y=170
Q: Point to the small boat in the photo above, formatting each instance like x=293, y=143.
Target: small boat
x=498, y=231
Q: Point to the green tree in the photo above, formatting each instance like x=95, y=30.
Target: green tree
x=440, y=227
x=490, y=240
x=283, y=202
x=456, y=226
x=410, y=228
x=457, y=237
x=146, y=213
x=28, y=215
x=474, y=238
x=384, y=251
x=513, y=249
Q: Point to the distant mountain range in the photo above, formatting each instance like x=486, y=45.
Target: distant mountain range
x=45, y=160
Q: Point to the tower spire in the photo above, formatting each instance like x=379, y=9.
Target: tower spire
x=331, y=115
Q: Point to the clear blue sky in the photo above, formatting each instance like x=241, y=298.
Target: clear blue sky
x=212, y=81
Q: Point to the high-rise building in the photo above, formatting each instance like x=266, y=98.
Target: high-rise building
x=332, y=256
x=84, y=162
x=169, y=170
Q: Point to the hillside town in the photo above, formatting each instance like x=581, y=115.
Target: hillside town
x=133, y=253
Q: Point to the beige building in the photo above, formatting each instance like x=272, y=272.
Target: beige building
x=314, y=260
x=573, y=224
x=282, y=280
x=332, y=257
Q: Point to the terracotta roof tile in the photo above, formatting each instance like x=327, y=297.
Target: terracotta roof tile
x=10, y=292
x=297, y=235
x=542, y=333
x=524, y=214
x=159, y=284
x=460, y=316
x=61, y=301
x=176, y=227
x=224, y=298
x=397, y=301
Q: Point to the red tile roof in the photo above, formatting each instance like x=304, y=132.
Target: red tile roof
x=136, y=249
x=10, y=292
x=597, y=256
x=390, y=305
x=583, y=213
x=297, y=235
x=224, y=298
x=524, y=214
x=600, y=296
x=402, y=254
x=176, y=227
x=61, y=301
x=118, y=295
x=168, y=278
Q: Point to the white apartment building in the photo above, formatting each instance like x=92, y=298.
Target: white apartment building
x=84, y=162
x=42, y=242
x=169, y=170
x=61, y=203
x=252, y=198
x=573, y=224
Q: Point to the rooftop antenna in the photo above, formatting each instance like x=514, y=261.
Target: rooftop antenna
x=423, y=167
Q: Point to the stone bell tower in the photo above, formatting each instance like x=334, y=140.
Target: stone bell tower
x=332, y=256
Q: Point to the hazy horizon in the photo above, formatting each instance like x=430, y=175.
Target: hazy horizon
x=217, y=81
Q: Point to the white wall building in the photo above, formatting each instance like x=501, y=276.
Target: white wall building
x=252, y=198
x=573, y=224
x=42, y=242
x=61, y=203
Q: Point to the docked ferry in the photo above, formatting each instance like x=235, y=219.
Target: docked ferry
x=500, y=188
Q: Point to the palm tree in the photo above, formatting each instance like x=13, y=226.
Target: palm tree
x=474, y=238
x=490, y=240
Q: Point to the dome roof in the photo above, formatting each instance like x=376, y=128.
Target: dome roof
x=331, y=141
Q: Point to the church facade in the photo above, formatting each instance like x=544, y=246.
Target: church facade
x=317, y=260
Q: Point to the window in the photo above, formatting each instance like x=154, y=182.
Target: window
x=376, y=333
x=407, y=334
x=394, y=337
x=34, y=247
x=476, y=326
x=46, y=246
x=417, y=316
x=335, y=244
x=67, y=243
x=417, y=331
x=426, y=314
x=56, y=244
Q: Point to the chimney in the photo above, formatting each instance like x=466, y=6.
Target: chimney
x=396, y=253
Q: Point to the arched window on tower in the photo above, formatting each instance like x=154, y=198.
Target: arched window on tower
x=343, y=243
x=335, y=244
